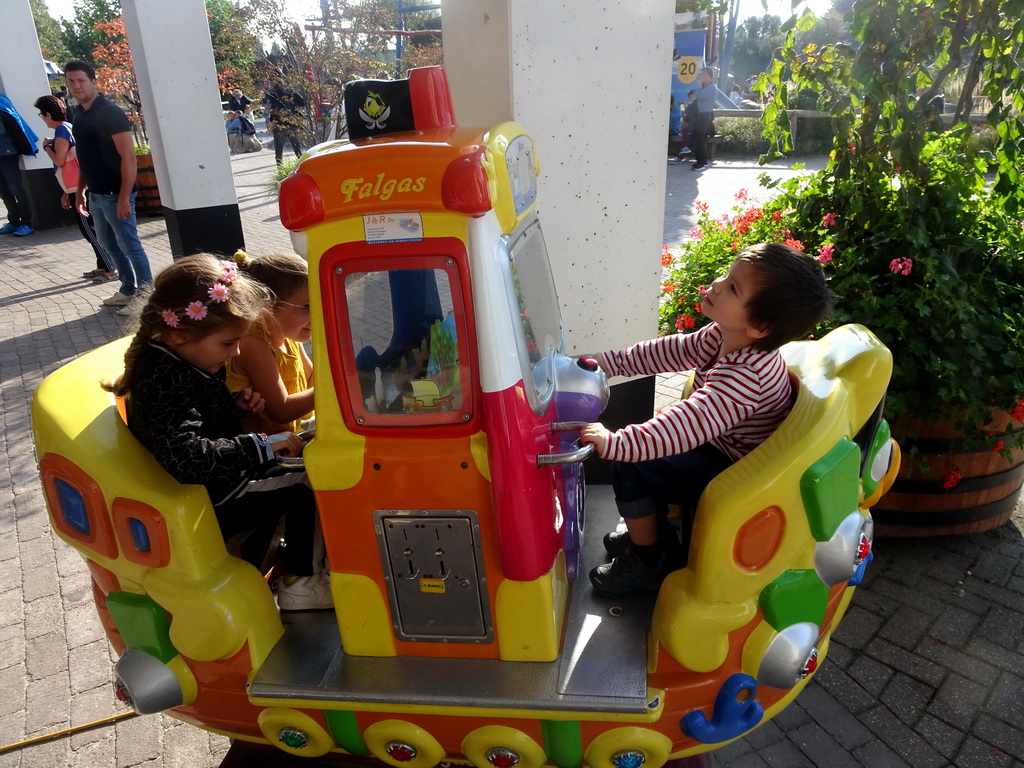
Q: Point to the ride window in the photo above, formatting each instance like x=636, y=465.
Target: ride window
x=406, y=336
x=538, y=322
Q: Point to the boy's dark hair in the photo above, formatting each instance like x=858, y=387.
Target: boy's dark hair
x=81, y=66
x=791, y=297
x=53, y=107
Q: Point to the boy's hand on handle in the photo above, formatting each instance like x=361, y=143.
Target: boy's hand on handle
x=250, y=401
x=596, y=435
x=286, y=444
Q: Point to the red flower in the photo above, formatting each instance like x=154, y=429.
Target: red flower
x=998, y=446
x=701, y=206
x=666, y=259
x=952, y=477
x=1017, y=414
x=794, y=244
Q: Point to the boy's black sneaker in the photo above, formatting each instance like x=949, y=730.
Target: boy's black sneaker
x=628, y=575
x=617, y=542
x=698, y=166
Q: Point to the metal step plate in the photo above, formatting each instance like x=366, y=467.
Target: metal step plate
x=602, y=668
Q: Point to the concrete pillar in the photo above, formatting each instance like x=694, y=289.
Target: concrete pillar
x=590, y=82
x=23, y=80
x=181, y=103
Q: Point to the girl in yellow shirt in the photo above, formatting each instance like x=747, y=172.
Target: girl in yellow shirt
x=272, y=360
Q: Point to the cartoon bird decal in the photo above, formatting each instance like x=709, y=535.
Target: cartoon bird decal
x=374, y=112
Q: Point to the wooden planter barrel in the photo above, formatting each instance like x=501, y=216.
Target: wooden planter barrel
x=984, y=496
x=147, y=201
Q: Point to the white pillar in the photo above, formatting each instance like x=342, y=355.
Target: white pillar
x=590, y=82
x=23, y=80
x=181, y=102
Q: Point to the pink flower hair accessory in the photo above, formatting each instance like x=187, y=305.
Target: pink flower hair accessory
x=218, y=293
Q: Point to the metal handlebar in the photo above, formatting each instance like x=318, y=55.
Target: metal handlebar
x=558, y=459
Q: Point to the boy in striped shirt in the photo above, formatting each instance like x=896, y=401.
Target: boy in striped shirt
x=772, y=294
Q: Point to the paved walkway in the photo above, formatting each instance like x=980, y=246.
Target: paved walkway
x=927, y=670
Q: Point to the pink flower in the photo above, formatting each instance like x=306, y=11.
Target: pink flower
x=901, y=266
x=829, y=220
x=741, y=195
x=702, y=291
x=218, y=293
x=171, y=318
x=696, y=234
x=196, y=310
x=825, y=253
x=230, y=271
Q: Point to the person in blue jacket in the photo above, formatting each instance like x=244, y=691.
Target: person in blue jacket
x=16, y=139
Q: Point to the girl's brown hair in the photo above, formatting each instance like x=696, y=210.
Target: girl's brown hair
x=282, y=273
x=196, y=295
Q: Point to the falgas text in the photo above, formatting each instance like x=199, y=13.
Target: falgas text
x=381, y=188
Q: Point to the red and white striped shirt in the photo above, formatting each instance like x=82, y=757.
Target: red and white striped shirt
x=737, y=401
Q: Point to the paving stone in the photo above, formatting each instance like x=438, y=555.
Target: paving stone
x=910, y=747
x=949, y=657
x=906, y=628
x=898, y=658
x=1001, y=736
x=1003, y=626
x=870, y=674
x=1007, y=700
x=818, y=745
x=958, y=700
x=907, y=698
x=945, y=738
x=878, y=755
x=977, y=754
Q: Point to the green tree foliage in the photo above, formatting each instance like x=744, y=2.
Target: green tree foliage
x=80, y=35
x=234, y=45
x=51, y=41
x=757, y=39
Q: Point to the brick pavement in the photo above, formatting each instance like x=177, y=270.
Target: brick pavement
x=926, y=669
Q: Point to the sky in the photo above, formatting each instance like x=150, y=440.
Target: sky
x=302, y=9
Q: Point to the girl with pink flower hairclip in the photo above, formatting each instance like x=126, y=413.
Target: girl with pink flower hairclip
x=178, y=406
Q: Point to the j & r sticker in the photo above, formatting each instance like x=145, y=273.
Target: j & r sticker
x=393, y=227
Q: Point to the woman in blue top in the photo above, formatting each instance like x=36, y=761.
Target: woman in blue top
x=54, y=114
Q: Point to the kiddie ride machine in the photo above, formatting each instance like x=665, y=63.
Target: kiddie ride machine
x=446, y=467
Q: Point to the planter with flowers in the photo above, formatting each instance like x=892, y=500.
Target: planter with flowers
x=920, y=242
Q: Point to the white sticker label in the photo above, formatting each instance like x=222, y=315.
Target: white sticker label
x=393, y=227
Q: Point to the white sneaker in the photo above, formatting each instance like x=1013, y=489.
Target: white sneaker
x=306, y=593
x=117, y=300
x=126, y=311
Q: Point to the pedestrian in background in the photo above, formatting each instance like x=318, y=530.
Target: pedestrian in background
x=16, y=139
x=61, y=150
x=106, y=155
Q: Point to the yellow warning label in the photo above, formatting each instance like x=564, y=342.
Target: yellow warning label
x=432, y=585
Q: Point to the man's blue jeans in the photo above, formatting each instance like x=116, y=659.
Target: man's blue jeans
x=120, y=239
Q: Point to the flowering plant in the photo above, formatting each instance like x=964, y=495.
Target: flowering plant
x=935, y=269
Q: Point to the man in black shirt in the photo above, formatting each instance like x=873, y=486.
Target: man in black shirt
x=106, y=158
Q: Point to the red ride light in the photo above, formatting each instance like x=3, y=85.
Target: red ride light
x=400, y=751
x=300, y=202
x=811, y=664
x=863, y=548
x=464, y=187
x=121, y=692
x=502, y=757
